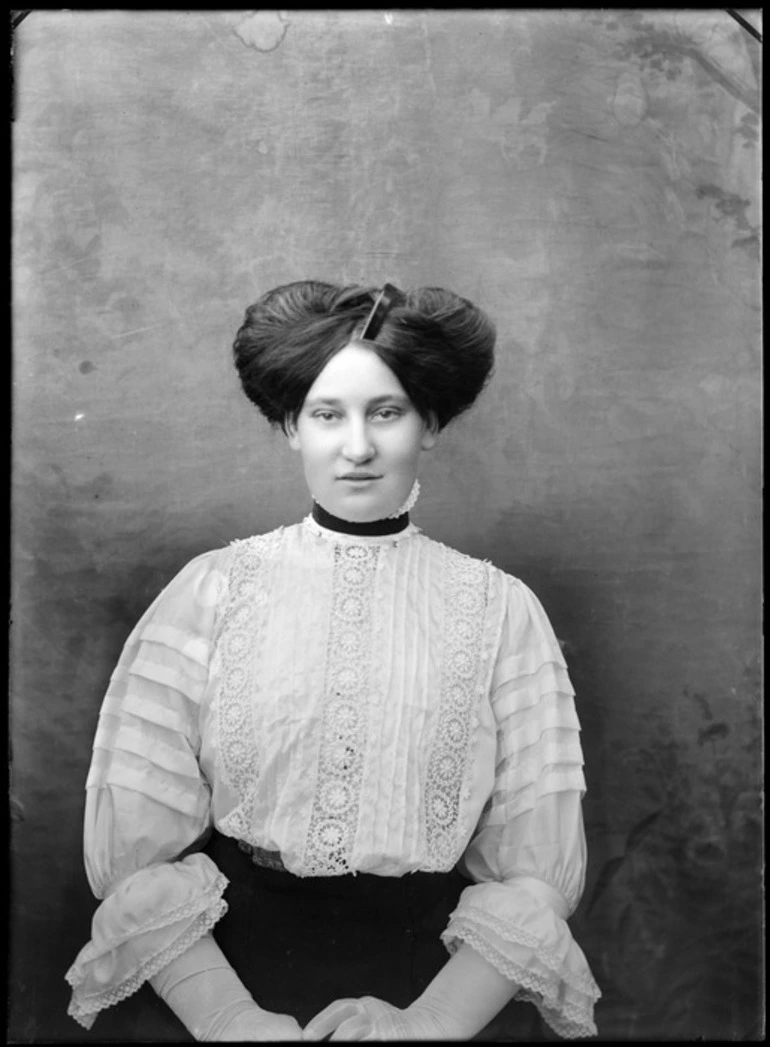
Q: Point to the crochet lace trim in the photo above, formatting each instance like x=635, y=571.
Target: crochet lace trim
x=570, y=1017
x=239, y=647
x=472, y=916
x=347, y=698
x=164, y=919
x=463, y=685
x=85, y=1011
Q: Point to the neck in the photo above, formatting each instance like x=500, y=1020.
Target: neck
x=370, y=528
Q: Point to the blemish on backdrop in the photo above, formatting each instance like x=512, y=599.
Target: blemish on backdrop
x=592, y=179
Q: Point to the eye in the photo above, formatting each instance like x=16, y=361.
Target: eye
x=324, y=416
x=388, y=414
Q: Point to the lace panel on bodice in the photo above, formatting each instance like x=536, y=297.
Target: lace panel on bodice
x=334, y=819
x=239, y=650
x=466, y=598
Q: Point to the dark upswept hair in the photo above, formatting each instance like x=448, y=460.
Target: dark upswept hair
x=440, y=346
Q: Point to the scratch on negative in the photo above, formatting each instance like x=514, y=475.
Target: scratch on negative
x=138, y=330
x=69, y=265
x=216, y=37
x=736, y=89
x=428, y=54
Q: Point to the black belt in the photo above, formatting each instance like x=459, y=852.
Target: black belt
x=415, y=888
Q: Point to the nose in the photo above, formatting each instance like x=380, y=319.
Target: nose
x=357, y=446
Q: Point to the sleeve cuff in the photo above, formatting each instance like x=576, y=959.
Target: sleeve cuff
x=536, y=951
x=146, y=922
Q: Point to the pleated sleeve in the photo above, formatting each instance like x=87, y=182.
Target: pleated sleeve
x=528, y=854
x=147, y=801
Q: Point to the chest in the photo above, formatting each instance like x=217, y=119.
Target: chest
x=352, y=679
x=369, y=623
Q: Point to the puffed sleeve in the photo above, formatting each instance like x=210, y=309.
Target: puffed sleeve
x=147, y=801
x=528, y=854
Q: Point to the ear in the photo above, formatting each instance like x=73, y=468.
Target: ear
x=430, y=434
x=291, y=434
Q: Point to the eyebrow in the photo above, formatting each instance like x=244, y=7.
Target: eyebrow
x=377, y=401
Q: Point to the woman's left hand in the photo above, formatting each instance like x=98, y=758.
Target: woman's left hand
x=368, y=1018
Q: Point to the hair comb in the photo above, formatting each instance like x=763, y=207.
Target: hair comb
x=383, y=303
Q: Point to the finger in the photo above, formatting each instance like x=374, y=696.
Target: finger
x=329, y=1018
x=270, y=1031
x=284, y=1034
x=289, y=1030
x=354, y=1028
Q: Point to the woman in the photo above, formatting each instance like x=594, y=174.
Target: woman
x=337, y=777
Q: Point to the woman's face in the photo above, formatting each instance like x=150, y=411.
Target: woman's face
x=360, y=437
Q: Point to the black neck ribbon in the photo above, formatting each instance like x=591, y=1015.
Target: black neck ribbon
x=368, y=529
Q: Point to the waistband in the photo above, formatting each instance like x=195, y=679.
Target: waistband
x=237, y=860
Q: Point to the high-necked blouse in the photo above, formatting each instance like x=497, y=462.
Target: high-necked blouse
x=340, y=704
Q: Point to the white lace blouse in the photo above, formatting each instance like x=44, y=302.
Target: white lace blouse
x=382, y=705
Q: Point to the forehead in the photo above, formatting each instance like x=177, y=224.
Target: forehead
x=355, y=372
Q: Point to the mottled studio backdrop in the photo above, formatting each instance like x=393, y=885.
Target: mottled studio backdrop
x=591, y=178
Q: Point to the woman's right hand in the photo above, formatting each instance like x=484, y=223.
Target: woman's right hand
x=255, y=1025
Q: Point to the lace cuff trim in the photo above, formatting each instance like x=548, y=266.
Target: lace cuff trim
x=552, y=960
x=564, y=998
x=85, y=1008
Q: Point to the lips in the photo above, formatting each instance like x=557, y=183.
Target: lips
x=359, y=476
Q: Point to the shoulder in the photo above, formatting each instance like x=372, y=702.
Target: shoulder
x=203, y=583
x=516, y=602
x=499, y=581
x=263, y=540
x=268, y=545
x=205, y=575
x=199, y=582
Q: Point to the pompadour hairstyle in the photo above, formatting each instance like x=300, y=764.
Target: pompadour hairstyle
x=440, y=346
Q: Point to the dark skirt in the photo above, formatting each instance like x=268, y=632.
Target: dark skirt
x=299, y=943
